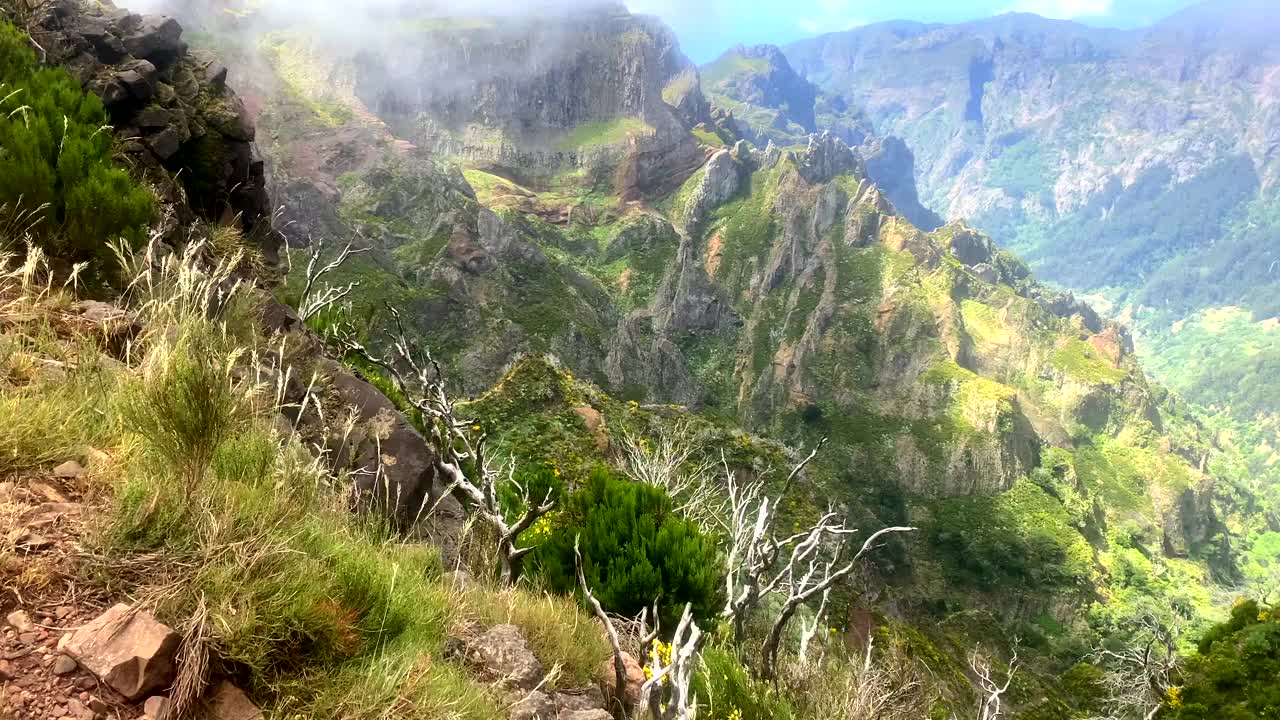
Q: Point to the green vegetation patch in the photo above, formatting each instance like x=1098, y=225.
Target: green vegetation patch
x=1080, y=361
x=730, y=64
x=637, y=552
x=604, y=132
x=58, y=180
x=1024, y=168
x=1022, y=539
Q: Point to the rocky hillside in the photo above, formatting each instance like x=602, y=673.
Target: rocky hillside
x=778, y=289
x=602, y=266
x=1139, y=166
x=765, y=100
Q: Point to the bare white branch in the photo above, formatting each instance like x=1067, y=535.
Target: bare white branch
x=461, y=458
x=991, y=702
x=317, y=298
x=667, y=692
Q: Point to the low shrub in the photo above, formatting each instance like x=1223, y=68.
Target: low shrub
x=636, y=551
x=58, y=158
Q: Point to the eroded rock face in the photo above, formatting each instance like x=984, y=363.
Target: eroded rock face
x=127, y=649
x=721, y=179
x=560, y=93
x=393, y=467
x=183, y=130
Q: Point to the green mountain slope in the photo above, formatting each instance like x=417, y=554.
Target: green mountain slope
x=773, y=291
x=1138, y=165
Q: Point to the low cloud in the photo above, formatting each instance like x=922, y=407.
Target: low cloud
x=1064, y=9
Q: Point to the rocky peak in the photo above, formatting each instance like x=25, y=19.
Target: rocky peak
x=182, y=128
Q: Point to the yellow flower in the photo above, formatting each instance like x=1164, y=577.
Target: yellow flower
x=475, y=428
x=1173, y=697
x=556, y=472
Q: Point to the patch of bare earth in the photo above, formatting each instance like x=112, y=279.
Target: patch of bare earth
x=42, y=517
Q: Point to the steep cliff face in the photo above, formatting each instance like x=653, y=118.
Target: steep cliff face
x=542, y=96
x=1139, y=165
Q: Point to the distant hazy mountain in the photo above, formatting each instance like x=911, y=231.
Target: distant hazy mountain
x=1140, y=165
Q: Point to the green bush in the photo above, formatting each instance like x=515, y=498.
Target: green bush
x=1233, y=676
x=636, y=551
x=57, y=156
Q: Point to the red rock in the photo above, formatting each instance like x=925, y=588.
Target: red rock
x=634, y=679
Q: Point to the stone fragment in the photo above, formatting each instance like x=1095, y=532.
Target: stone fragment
x=157, y=37
x=128, y=650
x=632, y=682
x=166, y=143
x=155, y=707
x=228, y=702
x=20, y=621
x=503, y=655
x=138, y=76
x=30, y=542
x=593, y=714
x=64, y=665
x=535, y=705
x=69, y=470
x=585, y=699
x=77, y=709
x=154, y=118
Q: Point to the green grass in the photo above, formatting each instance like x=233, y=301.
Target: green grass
x=1080, y=361
x=706, y=137
x=730, y=64
x=604, y=132
x=678, y=88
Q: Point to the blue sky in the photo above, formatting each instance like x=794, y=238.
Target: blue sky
x=708, y=27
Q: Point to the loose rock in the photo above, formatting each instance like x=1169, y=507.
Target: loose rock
x=69, y=470
x=128, y=650
x=502, y=654
x=228, y=702
x=20, y=621
x=63, y=665
x=535, y=705
x=633, y=681
x=155, y=707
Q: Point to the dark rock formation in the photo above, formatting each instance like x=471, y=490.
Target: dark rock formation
x=182, y=129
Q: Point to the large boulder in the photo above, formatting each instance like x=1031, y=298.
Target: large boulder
x=393, y=467
x=127, y=649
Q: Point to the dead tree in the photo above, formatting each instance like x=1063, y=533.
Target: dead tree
x=1138, y=676
x=753, y=549
x=667, y=462
x=991, y=702
x=668, y=691
x=755, y=552
x=618, y=704
x=816, y=578
x=317, y=297
x=461, y=458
